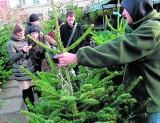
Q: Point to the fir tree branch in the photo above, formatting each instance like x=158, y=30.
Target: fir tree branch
x=129, y=89
x=33, y=76
x=52, y=65
x=106, y=18
x=109, y=77
x=57, y=31
x=36, y=118
x=135, y=112
x=43, y=45
x=123, y=98
x=73, y=104
x=69, y=82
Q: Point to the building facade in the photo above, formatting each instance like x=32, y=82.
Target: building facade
x=4, y=9
x=42, y=7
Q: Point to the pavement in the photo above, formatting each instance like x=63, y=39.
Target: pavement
x=13, y=103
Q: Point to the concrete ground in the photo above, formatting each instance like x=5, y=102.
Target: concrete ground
x=10, y=109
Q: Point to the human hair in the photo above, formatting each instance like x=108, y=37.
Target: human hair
x=33, y=18
x=70, y=13
x=34, y=28
x=18, y=28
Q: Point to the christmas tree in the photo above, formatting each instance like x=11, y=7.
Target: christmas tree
x=90, y=96
x=5, y=62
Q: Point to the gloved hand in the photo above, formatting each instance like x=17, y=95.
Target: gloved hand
x=36, y=48
x=41, y=53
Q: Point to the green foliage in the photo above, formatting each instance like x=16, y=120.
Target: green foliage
x=92, y=17
x=113, y=26
x=5, y=62
x=95, y=99
x=61, y=9
x=102, y=36
x=48, y=26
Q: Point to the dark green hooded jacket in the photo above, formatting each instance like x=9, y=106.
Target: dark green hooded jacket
x=139, y=50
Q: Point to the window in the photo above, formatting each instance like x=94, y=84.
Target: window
x=35, y=1
x=48, y=1
x=22, y=2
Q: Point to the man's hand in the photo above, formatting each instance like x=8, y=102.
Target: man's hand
x=66, y=58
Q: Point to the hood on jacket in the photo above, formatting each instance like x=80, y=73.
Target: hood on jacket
x=15, y=38
x=137, y=8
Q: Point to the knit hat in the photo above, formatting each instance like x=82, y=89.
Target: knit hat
x=34, y=28
x=33, y=18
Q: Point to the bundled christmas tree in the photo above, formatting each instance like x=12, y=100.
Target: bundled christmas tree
x=5, y=62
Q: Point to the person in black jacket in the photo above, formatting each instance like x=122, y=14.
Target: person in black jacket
x=33, y=20
x=18, y=50
x=66, y=30
x=38, y=53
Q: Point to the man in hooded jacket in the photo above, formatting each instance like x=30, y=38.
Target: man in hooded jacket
x=139, y=50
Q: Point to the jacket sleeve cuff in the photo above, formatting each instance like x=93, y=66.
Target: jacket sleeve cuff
x=80, y=57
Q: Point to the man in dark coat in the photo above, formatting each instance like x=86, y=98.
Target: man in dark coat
x=67, y=28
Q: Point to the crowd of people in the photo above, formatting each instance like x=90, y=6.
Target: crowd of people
x=138, y=50
x=24, y=52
